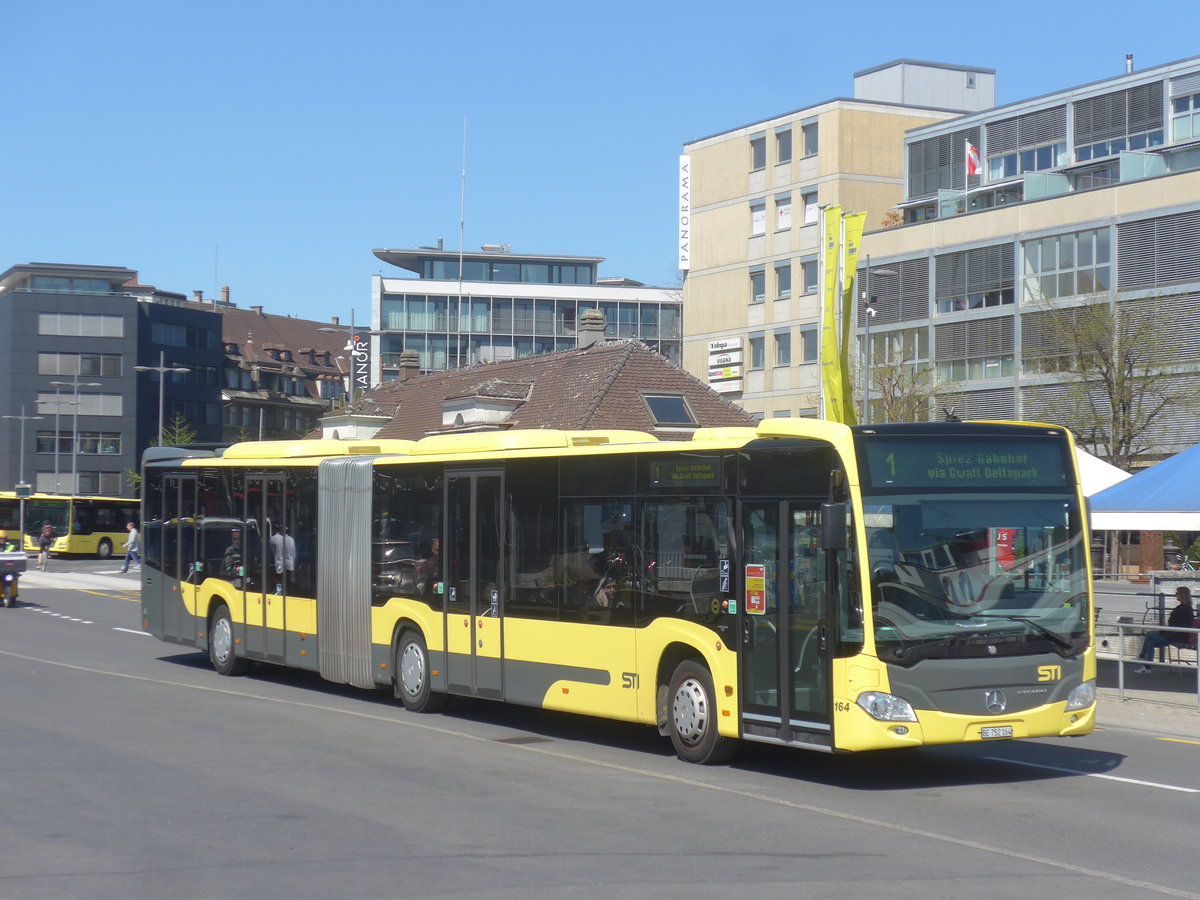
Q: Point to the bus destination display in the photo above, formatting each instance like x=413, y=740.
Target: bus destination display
x=960, y=464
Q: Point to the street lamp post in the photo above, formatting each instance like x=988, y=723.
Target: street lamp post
x=22, y=418
x=868, y=299
x=162, y=369
x=57, y=406
x=75, y=384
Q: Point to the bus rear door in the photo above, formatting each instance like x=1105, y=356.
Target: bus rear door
x=265, y=610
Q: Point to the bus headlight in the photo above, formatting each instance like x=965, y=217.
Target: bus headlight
x=886, y=707
x=1082, y=697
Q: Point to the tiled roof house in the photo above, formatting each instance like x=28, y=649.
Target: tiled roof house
x=281, y=373
x=610, y=385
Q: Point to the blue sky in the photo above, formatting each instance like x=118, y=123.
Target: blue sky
x=271, y=146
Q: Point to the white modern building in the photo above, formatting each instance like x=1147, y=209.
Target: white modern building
x=505, y=306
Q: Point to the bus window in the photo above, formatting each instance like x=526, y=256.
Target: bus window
x=682, y=545
x=533, y=537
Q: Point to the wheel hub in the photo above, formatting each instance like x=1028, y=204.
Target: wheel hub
x=412, y=670
x=690, y=711
x=222, y=639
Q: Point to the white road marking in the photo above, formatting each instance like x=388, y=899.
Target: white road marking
x=134, y=631
x=58, y=615
x=1153, y=784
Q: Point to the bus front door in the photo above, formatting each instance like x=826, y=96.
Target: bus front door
x=265, y=607
x=474, y=582
x=784, y=659
x=178, y=550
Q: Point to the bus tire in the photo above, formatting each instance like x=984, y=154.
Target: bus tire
x=104, y=549
x=693, y=716
x=222, y=651
x=411, y=675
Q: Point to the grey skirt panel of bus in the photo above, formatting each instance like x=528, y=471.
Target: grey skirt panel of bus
x=344, y=570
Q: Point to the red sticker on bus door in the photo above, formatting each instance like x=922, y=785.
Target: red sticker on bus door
x=756, y=589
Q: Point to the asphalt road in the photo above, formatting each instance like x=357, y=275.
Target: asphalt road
x=129, y=769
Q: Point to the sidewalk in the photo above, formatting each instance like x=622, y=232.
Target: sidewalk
x=1163, y=702
x=33, y=579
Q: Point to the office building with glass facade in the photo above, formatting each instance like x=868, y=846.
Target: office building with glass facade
x=506, y=306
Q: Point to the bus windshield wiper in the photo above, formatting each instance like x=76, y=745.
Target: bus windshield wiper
x=1054, y=636
x=909, y=649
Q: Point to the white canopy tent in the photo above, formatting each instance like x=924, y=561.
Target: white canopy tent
x=1095, y=474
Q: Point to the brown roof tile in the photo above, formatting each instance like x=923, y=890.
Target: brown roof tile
x=597, y=387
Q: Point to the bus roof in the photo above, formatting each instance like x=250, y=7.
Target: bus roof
x=552, y=441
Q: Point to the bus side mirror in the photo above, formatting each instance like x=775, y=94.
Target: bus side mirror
x=833, y=526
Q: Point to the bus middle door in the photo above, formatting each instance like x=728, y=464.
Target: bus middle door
x=474, y=582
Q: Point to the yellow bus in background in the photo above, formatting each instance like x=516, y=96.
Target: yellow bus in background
x=801, y=583
x=84, y=526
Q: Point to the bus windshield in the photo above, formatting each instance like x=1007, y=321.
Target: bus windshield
x=958, y=575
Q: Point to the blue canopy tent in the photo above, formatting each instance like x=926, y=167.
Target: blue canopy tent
x=1164, y=497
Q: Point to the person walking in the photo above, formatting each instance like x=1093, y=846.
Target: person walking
x=131, y=547
x=45, y=539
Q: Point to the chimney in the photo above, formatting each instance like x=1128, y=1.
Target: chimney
x=258, y=309
x=197, y=296
x=591, y=328
x=335, y=320
x=410, y=364
x=1128, y=63
x=225, y=294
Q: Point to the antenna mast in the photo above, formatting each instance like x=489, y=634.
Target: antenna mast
x=462, y=219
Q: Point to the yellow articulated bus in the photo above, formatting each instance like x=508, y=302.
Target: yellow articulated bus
x=86, y=526
x=802, y=583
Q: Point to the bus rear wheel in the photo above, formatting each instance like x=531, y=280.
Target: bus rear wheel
x=221, y=649
x=104, y=549
x=693, y=716
x=411, y=675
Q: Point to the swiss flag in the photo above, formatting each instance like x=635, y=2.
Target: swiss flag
x=973, y=166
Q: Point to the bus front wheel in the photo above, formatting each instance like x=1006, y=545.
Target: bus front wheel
x=411, y=675
x=104, y=549
x=693, y=716
x=221, y=650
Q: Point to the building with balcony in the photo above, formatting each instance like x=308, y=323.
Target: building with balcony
x=1088, y=195
x=278, y=374
x=505, y=306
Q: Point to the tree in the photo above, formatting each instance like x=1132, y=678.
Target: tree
x=903, y=391
x=1117, y=363
x=177, y=432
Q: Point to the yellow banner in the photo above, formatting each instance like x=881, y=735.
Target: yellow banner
x=831, y=375
x=852, y=238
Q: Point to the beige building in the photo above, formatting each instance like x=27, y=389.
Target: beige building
x=749, y=234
